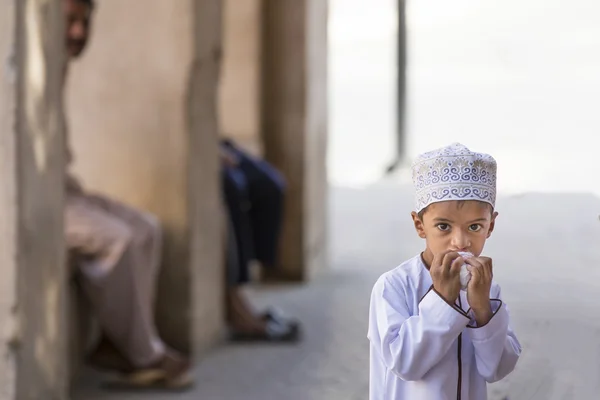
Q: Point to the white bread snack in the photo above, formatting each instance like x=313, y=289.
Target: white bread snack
x=465, y=275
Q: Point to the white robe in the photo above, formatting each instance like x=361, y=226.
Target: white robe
x=423, y=348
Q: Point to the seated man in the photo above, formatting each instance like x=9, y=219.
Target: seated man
x=253, y=192
x=116, y=251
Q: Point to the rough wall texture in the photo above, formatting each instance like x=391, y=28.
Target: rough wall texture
x=129, y=119
x=42, y=371
x=294, y=117
x=8, y=204
x=204, y=178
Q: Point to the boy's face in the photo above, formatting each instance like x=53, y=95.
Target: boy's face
x=456, y=226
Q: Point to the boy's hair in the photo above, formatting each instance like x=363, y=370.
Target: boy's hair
x=459, y=204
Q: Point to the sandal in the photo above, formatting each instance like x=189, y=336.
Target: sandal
x=171, y=373
x=106, y=357
x=274, y=315
x=275, y=332
x=151, y=380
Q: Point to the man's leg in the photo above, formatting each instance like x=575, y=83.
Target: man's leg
x=240, y=314
x=108, y=259
x=237, y=202
x=266, y=188
x=147, y=237
x=245, y=323
x=111, y=258
x=238, y=249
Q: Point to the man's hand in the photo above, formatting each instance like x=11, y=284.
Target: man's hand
x=478, y=290
x=72, y=184
x=445, y=270
x=228, y=158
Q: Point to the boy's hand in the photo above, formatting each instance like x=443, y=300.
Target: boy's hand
x=445, y=270
x=478, y=290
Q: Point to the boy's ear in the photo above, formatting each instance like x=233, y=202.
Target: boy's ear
x=418, y=225
x=492, y=224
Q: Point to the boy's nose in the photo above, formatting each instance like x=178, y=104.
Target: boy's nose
x=460, y=242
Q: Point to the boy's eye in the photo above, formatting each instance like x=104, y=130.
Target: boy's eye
x=443, y=227
x=475, y=228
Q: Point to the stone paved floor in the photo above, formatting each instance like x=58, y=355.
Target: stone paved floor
x=545, y=260
x=328, y=364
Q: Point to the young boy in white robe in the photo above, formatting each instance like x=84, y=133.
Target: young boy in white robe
x=430, y=338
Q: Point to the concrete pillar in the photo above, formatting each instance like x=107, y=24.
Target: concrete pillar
x=400, y=88
x=401, y=82
x=204, y=178
x=8, y=203
x=142, y=112
x=294, y=117
x=33, y=362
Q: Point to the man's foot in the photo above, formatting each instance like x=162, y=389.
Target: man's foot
x=248, y=325
x=274, y=315
x=106, y=357
x=272, y=332
x=171, y=372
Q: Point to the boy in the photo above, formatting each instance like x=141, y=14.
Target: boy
x=429, y=339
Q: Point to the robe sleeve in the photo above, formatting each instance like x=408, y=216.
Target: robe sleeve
x=497, y=348
x=410, y=345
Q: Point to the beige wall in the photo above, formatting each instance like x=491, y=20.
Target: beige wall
x=132, y=137
x=239, y=93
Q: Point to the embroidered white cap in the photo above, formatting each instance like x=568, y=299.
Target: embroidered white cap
x=453, y=173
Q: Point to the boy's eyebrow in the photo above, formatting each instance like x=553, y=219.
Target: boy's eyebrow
x=479, y=220
x=446, y=220
x=439, y=219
